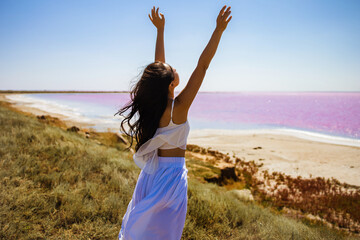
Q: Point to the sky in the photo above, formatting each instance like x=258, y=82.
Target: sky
x=269, y=45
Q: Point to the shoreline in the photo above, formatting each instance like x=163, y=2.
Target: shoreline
x=71, y=114
x=24, y=107
x=288, y=132
x=278, y=151
x=286, y=154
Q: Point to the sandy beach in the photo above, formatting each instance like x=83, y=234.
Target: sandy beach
x=287, y=154
x=36, y=111
x=284, y=153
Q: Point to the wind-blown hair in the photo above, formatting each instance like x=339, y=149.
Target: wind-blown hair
x=149, y=97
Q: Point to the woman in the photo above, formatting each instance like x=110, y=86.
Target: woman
x=158, y=206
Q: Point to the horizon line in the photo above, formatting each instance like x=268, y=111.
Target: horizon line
x=106, y=91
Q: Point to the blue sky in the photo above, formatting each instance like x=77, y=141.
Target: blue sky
x=269, y=45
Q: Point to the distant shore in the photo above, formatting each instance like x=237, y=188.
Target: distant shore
x=42, y=91
x=284, y=152
x=37, y=111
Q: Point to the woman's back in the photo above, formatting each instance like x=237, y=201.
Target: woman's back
x=179, y=116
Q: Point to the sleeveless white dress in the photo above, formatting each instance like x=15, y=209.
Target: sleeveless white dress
x=158, y=206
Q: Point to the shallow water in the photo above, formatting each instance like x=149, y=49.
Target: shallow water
x=329, y=113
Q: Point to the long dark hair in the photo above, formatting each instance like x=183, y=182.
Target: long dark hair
x=149, y=97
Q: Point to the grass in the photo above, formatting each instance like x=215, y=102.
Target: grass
x=57, y=184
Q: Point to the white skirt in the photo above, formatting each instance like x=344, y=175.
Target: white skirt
x=158, y=206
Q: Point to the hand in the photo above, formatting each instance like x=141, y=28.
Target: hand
x=222, y=19
x=158, y=22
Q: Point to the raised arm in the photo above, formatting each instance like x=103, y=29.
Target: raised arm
x=159, y=23
x=188, y=94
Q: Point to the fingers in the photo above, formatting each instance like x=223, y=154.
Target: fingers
x=222, y=10
x=150, y=17
x=224, y=14
x=153, y=12
x=162, y=16
x=227, y=13
x=227, y=21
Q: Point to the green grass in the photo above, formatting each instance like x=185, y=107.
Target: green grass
x=56, y=184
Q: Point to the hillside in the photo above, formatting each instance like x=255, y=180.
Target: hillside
x=59, y=184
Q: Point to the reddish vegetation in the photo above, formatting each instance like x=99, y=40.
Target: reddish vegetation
x=328, y=199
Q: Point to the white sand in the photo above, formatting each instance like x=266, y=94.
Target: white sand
x=291, y=155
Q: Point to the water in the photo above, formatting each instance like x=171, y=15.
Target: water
x=332, y=114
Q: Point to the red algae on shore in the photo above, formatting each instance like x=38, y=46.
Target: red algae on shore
x=316, y=199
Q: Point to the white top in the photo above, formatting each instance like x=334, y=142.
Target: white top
x=171, y=136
